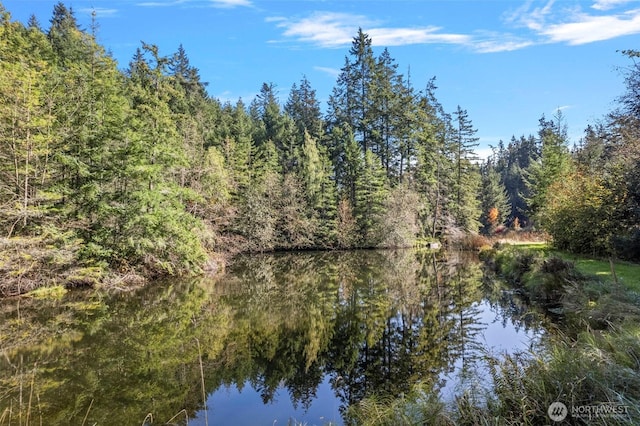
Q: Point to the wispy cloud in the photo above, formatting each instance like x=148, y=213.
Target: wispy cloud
x=609, y=4
x=100, y=12
x=493, y=42
x=331, y=30
x=231, y=3
x=529, y=15
x=333, y=72
x=404, y=36
x=572, y=25
x=562, y=108
x=586, y=28
x=334, y=30
x=161, y=3
x=323, y=29
x=227, y=4
x=534, y=22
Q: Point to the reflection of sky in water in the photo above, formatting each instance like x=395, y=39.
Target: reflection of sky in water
x=383, y=320
x=498, y=335
x=229, y=406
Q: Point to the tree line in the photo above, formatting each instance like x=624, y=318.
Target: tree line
x=140, y=169
x=585, y=195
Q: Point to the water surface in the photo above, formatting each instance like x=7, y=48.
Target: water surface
x=278, y=339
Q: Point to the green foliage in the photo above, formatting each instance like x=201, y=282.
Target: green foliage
x=464, y=204
x=280, y=323
x=370, y=194
x=420, y=407
x=149, y=172
x=587, y=372
x=493, y=196
x=554, y=161
x=400, y=224
x=513, y=263
x=579, y=212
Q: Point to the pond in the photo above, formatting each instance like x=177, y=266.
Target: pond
x=290, y=338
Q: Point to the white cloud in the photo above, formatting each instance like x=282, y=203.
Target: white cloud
x=493, y=43
x=544, y=21
x=101, y=12
x=161, y=3
x=531, y=18
x=227, y=4
x=588, y=28
x=333, y=72
x=330, y=30
x=570, y=24
x=608, y=4
x=324, y=29
x=483, y=153
x=231, y=3
x=404, y=36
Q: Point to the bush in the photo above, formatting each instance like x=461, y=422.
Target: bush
x=593, y=370
x=628, y=246
x=548, y=280
x=513, y=263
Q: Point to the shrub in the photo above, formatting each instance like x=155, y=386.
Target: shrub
x=547, y=281
x=628, y=246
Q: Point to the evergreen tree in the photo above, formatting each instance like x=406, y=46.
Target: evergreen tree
x=276, y=127
x=465, y=205
x=511, y=163
x=236, y=144
x=494, y=200
x=553, y=163
x=70, y=44
x=434, y=171
x=151, y=225
x=351, y=168
x=25, y=124
x=385, y=110
x=187, y=78
x=316, y=172
x=629, y=100
x=410, y=123
x=304, y=108
x=370, y=194
x=351, y=98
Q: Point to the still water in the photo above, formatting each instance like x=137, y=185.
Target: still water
x=278, y=339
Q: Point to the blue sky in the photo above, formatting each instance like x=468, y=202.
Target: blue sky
x=506, y=62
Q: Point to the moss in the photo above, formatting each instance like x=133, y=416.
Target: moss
x=85, y=277
x=52, y=292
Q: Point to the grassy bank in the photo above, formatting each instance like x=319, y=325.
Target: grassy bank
x=625, y=273
x=591, y=363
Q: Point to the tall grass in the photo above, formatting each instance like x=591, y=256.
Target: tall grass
x=594, y=362
x=419, y=407
x=593, y=370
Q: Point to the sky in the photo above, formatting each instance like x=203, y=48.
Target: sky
x=506, y=62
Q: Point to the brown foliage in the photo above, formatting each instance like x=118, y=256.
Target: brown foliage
x=492, y=216
x=346, y=224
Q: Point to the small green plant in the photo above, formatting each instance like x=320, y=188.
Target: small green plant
x=420, y=407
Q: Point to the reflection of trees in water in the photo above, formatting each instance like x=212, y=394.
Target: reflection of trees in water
x=134, y=354
x=373, y=321
x=429, y=323
x=512, y=310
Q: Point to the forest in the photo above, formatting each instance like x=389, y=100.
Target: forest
x=111, y=174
